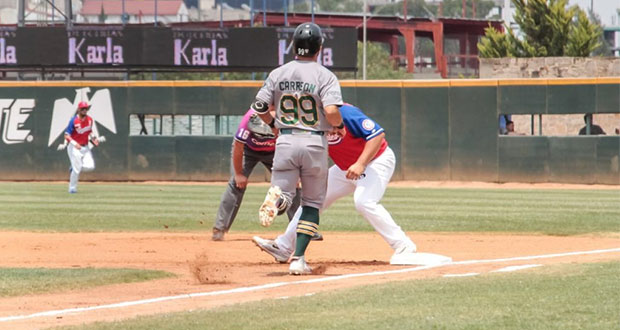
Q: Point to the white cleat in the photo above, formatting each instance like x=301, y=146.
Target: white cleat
x=272, y=249
x=299, y=266
x=269, y=210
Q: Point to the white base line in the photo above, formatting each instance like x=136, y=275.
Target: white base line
x=279, y=284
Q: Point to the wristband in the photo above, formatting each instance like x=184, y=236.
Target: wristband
x=341, y=126
x=73, y=143
x=260, y=106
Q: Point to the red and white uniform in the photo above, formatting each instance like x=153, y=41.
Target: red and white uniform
x=368, y=189
x=79, y=129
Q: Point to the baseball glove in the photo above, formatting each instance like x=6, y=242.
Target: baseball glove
x=260, y=128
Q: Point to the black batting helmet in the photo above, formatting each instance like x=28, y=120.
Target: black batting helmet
x=307, y=39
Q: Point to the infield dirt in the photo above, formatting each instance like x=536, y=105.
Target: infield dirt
x=202, y=265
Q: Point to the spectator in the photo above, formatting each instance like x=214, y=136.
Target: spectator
x=594, y=129
x=510, y=128
x=503, y=120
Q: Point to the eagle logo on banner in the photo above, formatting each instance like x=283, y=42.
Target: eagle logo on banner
x=101, y=111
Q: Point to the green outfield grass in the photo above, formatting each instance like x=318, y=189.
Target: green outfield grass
x=570, y=296
x=149, y=207
x=24, y=281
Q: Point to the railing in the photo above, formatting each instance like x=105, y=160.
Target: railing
x=463, y=66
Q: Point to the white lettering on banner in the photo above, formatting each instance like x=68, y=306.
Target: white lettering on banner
x=7, y=53
x=201, y=56
x=16, y=112
x=326, y=57
x=282, y=50
x=95, y=54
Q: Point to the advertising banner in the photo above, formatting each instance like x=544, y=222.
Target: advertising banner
x=169, y=48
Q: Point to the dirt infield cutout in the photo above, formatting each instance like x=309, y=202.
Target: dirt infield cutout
x=211, y=274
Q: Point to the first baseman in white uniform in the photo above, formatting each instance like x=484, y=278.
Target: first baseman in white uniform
x=306, y=97
x=364, y=164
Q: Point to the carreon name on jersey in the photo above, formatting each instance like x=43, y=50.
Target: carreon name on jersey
x=298, y=86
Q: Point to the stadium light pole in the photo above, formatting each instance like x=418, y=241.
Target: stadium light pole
x=364, y=40
x=155, y=24
x=221, y=14
x=155, y=15
x=264, y=13
x=312, y=10
x=251, y=13
x=123, y=14
x=285, y=6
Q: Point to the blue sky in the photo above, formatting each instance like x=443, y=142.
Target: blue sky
x=605, y=9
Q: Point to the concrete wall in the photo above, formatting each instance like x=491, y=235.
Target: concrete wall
x=549, y=67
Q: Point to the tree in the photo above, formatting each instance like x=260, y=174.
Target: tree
x=344, y=6
x=379, y=65
x=549, y=28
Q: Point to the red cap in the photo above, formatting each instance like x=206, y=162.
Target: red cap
x=83, y=105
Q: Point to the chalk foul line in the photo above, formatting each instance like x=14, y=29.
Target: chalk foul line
x=281, y=284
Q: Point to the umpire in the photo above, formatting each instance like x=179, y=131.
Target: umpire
x=254, y=142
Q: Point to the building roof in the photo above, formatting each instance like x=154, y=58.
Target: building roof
x=132, y=7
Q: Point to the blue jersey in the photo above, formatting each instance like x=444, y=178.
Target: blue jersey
x=345, y=151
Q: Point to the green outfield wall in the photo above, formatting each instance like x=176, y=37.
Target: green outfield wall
x=439, y=130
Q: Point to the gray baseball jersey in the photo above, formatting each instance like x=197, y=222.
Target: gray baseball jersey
x=299, y=90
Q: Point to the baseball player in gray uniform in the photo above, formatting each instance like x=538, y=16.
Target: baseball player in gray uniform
x=306, y=97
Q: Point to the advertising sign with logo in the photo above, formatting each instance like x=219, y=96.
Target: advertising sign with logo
x=223, y=48
x=103, y=46
x=213, y=49
x=8, y=49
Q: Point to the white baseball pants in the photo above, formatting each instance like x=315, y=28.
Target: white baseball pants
x=367, y=193
x=81, y=160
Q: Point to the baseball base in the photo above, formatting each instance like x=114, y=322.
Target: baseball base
x=419, y=259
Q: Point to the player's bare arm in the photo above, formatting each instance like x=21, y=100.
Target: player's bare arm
x=371, y=148
x=237, y=158
x=332, y=113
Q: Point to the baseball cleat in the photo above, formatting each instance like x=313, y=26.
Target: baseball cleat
x=218, y=235
x=299, y=266
x=272, y=249
x=72, y=191
x=269, y=210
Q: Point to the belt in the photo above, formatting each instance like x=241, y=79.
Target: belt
x=295, y=131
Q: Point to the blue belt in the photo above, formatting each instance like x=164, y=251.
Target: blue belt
x=300, y=131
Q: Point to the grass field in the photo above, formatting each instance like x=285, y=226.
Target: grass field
x=149, y=207
x=559, y=297
x=571, y=296
x=23, y=281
